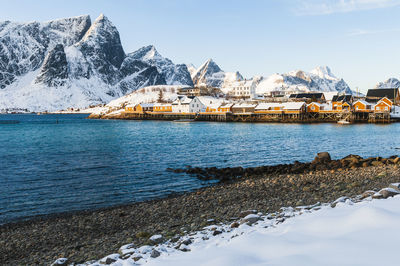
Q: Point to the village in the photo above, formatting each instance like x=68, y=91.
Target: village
x=243, y=105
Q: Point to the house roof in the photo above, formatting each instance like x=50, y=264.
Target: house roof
x=161, y=104
x=226, y=105
x=362, y=101
x=245, y=105
x=182, y=100
x=314, y=103
x=382, y=102
x=380, y=93
x=317, y=95
x=342, y=98
x=293, y=105
x=147, y=105
x=266, y=106
x=208, y=100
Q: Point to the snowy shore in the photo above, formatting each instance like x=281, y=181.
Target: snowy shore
x=357, y=231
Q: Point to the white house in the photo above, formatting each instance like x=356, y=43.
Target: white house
x=200, y=103
x=181, y=104
x=245, y=89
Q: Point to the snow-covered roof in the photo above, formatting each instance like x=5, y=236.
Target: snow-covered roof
x=329, y=95
x=182, y=100
x=227, y=105
x=315, y=103
x=245, y=105
x=161, y=104
x=293, y=105
x=363, y=102
x=266, y=106
x=208, y=100
x=147, y=105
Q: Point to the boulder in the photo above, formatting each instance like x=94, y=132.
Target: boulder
x=367, y=194
x=155, y=253
x=216, y=232
x=395, y=186
x=251, y=219
x=235, y=225
x=322, y=157
x=156, y=239
x=388, y=192
x=245, y=213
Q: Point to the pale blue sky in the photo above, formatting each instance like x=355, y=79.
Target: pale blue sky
x=358, y=39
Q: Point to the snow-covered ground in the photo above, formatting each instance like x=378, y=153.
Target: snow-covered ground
x=345, y=232
x=365, y=233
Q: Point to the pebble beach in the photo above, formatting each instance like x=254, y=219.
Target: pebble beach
x=91, y=235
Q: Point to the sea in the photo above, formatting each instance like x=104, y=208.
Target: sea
x=58, y=163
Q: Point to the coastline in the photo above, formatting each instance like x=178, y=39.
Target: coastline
x=87, y=235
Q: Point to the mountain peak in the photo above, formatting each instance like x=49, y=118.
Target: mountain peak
x=323, y=72
x=209, y=66
x=148, y=52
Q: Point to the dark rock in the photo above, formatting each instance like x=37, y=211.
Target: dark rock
x=54, y=71
x=216, y=232
x=155, y=253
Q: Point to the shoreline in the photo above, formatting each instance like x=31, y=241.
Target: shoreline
x=300, y=118
x=85, y=235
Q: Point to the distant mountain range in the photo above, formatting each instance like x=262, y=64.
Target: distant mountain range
x=73, y=62
x=389, y=83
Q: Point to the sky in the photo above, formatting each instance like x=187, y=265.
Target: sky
x=358, y=39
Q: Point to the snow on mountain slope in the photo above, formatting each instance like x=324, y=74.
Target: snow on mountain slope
x=173, y=74
x=74, y=63
x=210, y=74
x=23, y=46
x=318, y=79
x=147, y=94
x=389, y=83
x=192, y=69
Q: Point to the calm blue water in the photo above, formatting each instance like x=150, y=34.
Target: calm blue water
x=48, y=167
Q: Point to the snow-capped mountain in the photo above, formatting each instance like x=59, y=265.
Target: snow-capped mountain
x=212, y=75
x=192, y=69
x=319, y=79
x=390, y=83
x=174, y=74
x=74, y=63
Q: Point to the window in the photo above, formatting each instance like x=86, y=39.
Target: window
x=356, y=107
x=386, y=108
x=312, y=108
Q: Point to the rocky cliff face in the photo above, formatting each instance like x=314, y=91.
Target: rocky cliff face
x=77, y=62
x=54, y=71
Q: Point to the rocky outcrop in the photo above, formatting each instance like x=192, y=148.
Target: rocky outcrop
x=54, y=71
x=321, y=162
